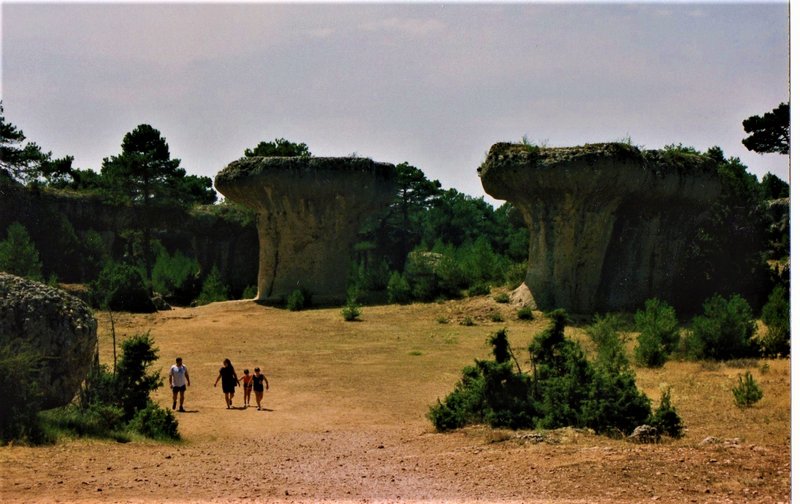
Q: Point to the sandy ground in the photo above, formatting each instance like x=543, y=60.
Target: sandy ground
x=345, y=422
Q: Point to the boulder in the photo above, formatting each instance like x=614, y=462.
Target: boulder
x=59, y=325
x=610, y=225
x=309, y=212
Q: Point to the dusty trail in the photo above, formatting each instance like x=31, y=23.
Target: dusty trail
x=345, y=423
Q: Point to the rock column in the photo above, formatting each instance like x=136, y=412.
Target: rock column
x=309, y=212
x=609, y=225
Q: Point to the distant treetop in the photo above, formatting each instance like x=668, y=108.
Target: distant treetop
x=768, y=133
x=280, y=147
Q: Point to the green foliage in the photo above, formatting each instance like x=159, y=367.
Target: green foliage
x=213, y=290
x=20, y=368
x=659, y=333
x=298, y=299
x=775, y=314
x=250, y=292
x=724, y=331
x=278, y=147
x=134, y=380
x=773, y=187
x=18, y=254
x=155, y=422
x=351, y=310
x=120, y=287
x=770, y=132
x=610, y=346
x=175, y=276
x=99, y=420
x=747, y=392
x=27, y=162
x=502, y=298
x=562, y=389
x=398, y=290
x=666, y=419
x=525, y=313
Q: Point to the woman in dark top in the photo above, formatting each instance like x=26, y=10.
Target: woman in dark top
x=260, y=384
x=229, y=381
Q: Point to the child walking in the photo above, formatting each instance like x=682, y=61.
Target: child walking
x=260, y=384
x=247, y=386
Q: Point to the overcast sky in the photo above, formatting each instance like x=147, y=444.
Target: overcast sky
x=433, y=85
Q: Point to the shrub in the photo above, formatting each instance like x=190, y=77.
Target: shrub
x=467, y=321
x=502, y=298
x=496, y=317
x=121, y=287
x=96, y=420
x=133, y=379
x=155, y=422
x=250, y=292
x=479, y=289
x=175, y=276
x=214, y=289
x=20, y=367
x=351, y=310
x=658, y=333
x=398, y=290
x=18, y=254
x=298, y=299
x=610, y=346
x=525, y=313
x=666, y=419
x=775, y=315
x=747, y=392
x=724, y=331
x=562, y=389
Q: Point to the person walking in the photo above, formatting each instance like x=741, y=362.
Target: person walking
x=247, y=386
x=229, y=381
x=260, y=384
x=178, y=381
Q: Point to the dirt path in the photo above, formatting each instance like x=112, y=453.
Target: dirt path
x=345, y=423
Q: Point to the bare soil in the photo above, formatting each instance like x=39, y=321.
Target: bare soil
x=345, y=422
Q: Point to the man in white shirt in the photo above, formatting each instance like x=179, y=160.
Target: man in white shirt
x=178, y=381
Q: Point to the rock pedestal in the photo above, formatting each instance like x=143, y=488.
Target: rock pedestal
x=59, y=326
x=309, y=212
x=609, y=224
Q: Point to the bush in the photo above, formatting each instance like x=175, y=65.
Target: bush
x=659, y=333
x=97, y=420
x=610, y=346
x=398, y=290
x=724, y=331
x=775, y=314
x=666, y=419
x=134, y=382
x=175, y=277
x=18, y=254
x=214, y=289
x=351, y=310
x=250, y=292
x=562, y=389
x=299, y=299
x=20, y=368
x=502, y=298
x=525, y=313
x=479, y=289
x=121, y=287
x=747, y=392
x=155, y=422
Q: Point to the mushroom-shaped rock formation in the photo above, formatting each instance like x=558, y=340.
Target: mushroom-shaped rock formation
x=52, y=322
x=309, y=212
x=609, y=224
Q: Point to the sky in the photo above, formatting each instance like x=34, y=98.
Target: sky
x=434, y=85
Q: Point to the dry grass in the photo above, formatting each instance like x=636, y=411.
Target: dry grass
x=346, y=420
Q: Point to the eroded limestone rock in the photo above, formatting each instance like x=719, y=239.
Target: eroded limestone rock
x=309, y=212
x=609, y=224
x=59, y=325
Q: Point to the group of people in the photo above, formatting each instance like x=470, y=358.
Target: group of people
x=257, y=382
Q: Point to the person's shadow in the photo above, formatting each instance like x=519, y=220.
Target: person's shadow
x=187, y=411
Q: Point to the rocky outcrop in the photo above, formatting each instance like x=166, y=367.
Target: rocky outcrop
x=54, y=323
x=610, y=225
x=309, y=212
